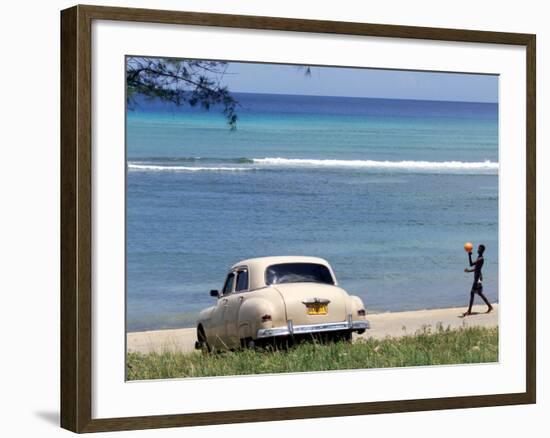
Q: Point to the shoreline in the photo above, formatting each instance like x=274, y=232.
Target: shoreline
x=392, y=324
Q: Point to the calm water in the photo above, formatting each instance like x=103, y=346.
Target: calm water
x=386, y=190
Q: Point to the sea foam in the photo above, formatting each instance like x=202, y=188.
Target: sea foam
x=484, y=167
x=412, y=165
x=161, y=168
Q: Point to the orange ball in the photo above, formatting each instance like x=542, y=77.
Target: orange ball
x=468, y=247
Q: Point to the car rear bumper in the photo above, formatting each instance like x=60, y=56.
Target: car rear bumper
x=291, y=329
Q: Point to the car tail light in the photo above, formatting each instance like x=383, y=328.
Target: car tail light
x=266, y=317
x=361, y=312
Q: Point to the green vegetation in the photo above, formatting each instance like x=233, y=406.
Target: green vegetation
x=426, y=347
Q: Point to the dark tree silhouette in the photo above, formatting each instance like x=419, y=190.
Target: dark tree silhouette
x=180, y=81
x=183, y=81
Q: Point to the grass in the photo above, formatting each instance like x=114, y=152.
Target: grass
x=426, y=347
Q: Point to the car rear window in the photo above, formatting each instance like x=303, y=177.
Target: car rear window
x=298, y=273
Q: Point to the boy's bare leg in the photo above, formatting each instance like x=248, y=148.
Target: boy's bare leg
x=469, y=312
x=484, y=298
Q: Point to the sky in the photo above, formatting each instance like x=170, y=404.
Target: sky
x=360, y=82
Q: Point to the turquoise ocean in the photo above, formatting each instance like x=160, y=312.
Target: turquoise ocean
x=386, y=190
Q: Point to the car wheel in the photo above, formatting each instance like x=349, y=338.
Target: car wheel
x=201, y=336
x=344, y=337
x=248, y=343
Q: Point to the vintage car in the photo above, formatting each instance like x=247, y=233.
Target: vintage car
x=269, y=300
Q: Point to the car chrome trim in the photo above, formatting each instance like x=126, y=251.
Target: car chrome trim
x=315, y=300
x=291, y=329
x=290, y=326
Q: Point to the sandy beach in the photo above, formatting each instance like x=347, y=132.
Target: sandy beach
x=393, y=324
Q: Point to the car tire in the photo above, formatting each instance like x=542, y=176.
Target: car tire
x=344, y=337
x=202, y=340
x=248, y=343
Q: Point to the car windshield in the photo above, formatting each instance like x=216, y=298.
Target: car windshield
x=298, y=273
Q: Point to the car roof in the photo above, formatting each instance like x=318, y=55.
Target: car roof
x=258, y=265
x=264, y=262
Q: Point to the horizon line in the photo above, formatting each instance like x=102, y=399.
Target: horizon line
x=371, y=97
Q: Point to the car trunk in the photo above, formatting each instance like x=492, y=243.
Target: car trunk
x=304, y=302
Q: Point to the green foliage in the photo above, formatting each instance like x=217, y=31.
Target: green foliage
x=439, y=347
x=180, y=81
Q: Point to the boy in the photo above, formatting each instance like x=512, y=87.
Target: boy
x=477, y=287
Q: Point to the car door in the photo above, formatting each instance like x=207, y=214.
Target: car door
x=218, y=316
x=233, y=305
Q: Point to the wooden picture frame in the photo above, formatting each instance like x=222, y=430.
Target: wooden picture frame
x=76, y=217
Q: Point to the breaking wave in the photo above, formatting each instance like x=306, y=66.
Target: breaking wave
x=200, y=164
x=406, y=165
x=161, y=168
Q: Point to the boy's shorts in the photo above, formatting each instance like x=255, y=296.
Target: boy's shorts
x=477, y=287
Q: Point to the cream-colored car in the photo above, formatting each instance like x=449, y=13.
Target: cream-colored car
x=274, y=299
